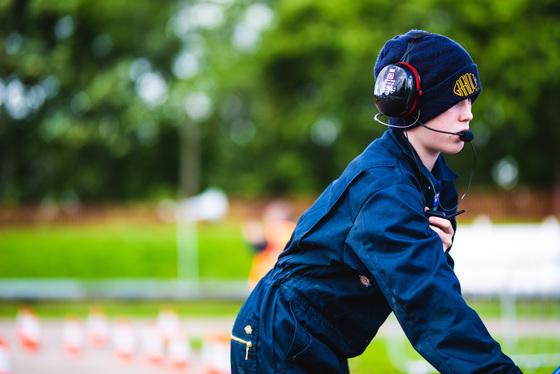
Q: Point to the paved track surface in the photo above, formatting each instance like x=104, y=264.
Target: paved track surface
x=52, y=358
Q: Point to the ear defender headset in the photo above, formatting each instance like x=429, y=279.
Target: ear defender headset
x=397, y=87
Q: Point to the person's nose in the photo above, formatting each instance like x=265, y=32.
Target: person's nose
x=466, y=110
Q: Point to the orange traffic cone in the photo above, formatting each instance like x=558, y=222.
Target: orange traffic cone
x=168, y=322
x=153, y=344
x=215, y=354
x=5, y=362
x=28, y=329
x=97, y=327
x=124, y=339
x=73, y=335
x=179, y=351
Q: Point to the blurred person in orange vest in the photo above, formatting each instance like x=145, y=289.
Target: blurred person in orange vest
x=268, y=237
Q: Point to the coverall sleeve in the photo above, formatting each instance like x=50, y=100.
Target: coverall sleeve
x=411, y=270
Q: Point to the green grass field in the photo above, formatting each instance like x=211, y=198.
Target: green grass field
x=149, y=250
x=118, y=250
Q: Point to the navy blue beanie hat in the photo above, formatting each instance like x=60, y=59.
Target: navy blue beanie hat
x=447, y=73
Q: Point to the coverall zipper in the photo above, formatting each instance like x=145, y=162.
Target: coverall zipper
x=248, y=345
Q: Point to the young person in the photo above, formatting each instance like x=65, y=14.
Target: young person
x=367, y=248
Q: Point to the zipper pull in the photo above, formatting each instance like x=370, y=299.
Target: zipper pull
x=248, y=345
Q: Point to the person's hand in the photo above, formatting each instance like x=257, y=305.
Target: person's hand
x=444, y=229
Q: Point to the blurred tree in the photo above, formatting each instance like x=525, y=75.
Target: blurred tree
x=83, y=85
x=132, y=100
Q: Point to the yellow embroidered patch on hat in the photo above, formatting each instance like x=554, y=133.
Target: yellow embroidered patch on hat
x=466, y=85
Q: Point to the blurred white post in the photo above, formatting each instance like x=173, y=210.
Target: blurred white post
x=211, y=205
x=187, y=250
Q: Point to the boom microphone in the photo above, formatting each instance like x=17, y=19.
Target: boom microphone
x=466, y=136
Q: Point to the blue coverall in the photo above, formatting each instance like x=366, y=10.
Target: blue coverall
x=363, y=250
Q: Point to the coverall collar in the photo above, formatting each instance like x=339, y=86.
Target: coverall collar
x=440, y=172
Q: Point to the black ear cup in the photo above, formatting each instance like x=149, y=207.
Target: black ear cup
x=397, y=89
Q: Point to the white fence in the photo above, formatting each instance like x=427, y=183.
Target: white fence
x=518, y=259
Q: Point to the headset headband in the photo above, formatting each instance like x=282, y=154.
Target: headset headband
x=413, y=39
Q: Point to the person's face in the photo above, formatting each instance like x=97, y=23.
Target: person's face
x=455, y=119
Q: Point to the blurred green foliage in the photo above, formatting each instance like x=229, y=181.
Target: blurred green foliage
x=120, y=100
